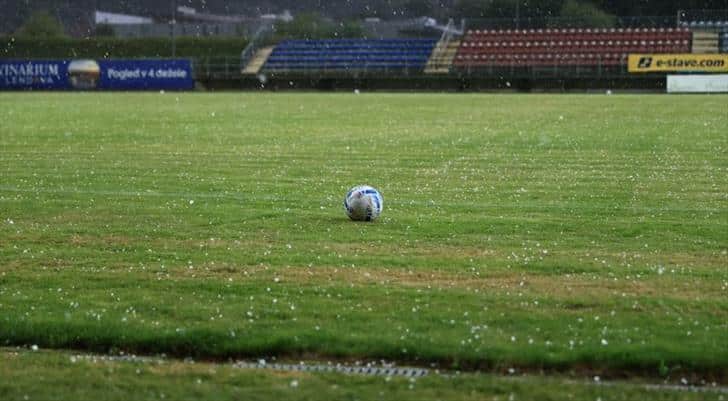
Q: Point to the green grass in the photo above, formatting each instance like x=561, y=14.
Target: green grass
x=564, y=233
x=63, y=375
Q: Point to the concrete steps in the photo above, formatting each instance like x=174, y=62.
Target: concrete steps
x=257, y=62
x=705, y=42
x=441, y=58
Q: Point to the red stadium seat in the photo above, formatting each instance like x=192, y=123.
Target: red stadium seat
x=572, y=46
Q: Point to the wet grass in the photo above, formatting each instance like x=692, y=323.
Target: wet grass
x=565, y=233
x=50, y=375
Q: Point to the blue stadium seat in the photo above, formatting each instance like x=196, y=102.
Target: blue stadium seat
x=350, y=54
x=723, y=42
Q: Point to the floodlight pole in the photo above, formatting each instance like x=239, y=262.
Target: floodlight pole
x=173, y=24
x=677, y=21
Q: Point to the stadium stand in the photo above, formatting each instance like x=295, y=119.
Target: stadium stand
x=705, y=42
x=258, y=60
x=705, y=25
x=569, y=47
x=724, y=41
x=442, y=57
x=350, y=55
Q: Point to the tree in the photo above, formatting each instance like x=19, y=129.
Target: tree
x=41, y=24
x=540, y=8
x=306, y=26
x=585, y=14
x=105, y=30
x=350, y=29
x=504, y=9
x=472, y=8
x=418, y=8
x=314, y=26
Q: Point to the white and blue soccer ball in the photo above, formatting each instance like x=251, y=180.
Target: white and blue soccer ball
x=363, y=203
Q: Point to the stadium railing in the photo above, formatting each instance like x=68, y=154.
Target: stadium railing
x=216, y=68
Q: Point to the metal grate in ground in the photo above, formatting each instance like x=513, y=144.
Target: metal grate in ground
x=338, y=368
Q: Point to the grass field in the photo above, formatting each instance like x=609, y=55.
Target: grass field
x=569, y=236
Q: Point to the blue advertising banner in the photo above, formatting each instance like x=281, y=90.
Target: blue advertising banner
x=92, y=74
x=35, y=74
x=146, y=74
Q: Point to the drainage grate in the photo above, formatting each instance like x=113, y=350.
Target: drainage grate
x=338, y=368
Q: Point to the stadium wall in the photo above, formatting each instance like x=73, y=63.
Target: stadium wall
x=714, y=83
x=225, y=74
x=449, y=84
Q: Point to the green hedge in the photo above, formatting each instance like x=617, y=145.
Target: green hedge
x=101, y=47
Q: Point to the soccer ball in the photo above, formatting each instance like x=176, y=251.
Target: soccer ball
x=363, y=203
